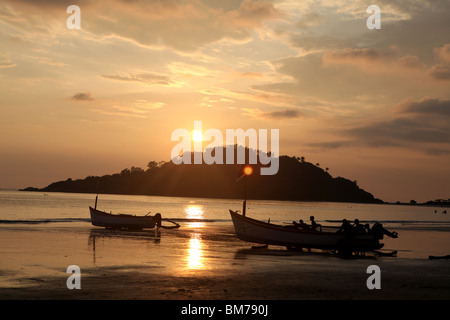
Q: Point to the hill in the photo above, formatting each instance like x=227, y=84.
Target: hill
x=296, y=180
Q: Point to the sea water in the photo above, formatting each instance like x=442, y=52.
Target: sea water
x=423, y=230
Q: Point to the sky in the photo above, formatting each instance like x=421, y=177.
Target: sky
x=372, y=105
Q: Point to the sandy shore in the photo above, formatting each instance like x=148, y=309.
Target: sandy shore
x=194, y=265
x=320, y=280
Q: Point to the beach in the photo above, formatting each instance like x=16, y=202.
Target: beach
x=189, y=265
x=42, y=235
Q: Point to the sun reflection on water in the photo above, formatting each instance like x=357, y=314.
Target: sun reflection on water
x=196, y=213
x=195, y=258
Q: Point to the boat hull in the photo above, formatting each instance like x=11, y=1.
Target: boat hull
x=256, y=231
x=123, y=221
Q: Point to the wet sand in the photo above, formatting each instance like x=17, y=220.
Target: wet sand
x=198, y=263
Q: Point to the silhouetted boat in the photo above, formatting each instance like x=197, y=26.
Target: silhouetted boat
x=251, y=230
x=127, y=221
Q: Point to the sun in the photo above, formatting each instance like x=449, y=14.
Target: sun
x=197, y=136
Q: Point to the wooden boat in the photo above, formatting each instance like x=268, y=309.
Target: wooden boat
x=124, y=221
x=127, y=221
x=251, y=230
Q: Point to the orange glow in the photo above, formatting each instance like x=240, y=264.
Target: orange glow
x=248, y=170
x=197, y=135
x=195, y=252
x=194, y=212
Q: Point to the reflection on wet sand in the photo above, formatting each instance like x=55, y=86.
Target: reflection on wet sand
x=195, y=259
x=153, y=236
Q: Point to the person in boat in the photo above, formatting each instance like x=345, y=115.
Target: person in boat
x=314, y=224
x=300, y=224
x=346, y=227
x=358, y=227
x=379, y=231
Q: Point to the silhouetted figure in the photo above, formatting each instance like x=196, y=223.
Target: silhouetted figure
x=158, y=219
x=379, y=230
x=359, y=228
x=301, y=224
x=314, y=224
x=346, y=227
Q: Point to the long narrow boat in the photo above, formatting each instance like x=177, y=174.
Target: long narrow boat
x=124, y=221
x=127, y=221
x=251, y=230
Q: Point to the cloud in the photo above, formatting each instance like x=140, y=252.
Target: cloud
x=5, y=62
x=443, y=53
x=270, y=98
x=421, y=125
x=82, y=96
x=440, y=72
x=250, y=74
x=135, y=109
x=285, y=114
x=409, y=62
x=252, y=13
x=182, y=25
x=399, y=131
x=426, y=121
x=332, y=144
x=374, y=61
x=147, y=78
x=363, y=57
x=310, y=20
x=425, y=106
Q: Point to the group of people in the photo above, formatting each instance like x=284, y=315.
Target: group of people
x=302, y=225
x=377, y=229
x=347, y=228
x=356, y=227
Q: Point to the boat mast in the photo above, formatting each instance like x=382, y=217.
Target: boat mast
x=248, y=170
x=96, y=197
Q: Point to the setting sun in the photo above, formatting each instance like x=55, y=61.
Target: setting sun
x=197, y=135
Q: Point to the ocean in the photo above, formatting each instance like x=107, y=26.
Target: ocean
x=41, y=234
x=431, y=227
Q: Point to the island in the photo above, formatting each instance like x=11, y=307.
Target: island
x=296, y=180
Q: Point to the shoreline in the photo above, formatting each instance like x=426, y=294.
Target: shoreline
x=199, y=263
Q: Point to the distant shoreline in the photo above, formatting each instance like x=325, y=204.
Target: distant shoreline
x=296, y=180
x=431, y=204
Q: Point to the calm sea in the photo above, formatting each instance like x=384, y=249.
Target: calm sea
x=422, y=230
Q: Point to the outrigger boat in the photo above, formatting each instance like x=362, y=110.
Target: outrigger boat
x=255, y=231
x=293, y=237
x=127, y=221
